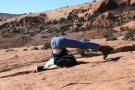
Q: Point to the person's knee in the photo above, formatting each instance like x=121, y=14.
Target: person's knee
x=56, y=42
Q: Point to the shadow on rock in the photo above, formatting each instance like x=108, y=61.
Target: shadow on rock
x=112, y=59
x=17, y=74
x=82, y=62
x=109, y=60
x=92, y=55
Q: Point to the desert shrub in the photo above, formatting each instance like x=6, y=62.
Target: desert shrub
x=62, y=20
x=6, y=34
x=130, y=17
x=43, y=36
x=129, y=35
x=123, y=28
x=54, y=22
x=32, y=34
x=110, y=37
x=62, y=33
x=83, y=10
x=43, y=14
x=35, y=48
x=10, y=50
x=121, y=19
x=16, y=31
x=46, y=46
x=81, y=19
x=48, y=22
x=81, y=52
x=25, y=49
x=133, y=17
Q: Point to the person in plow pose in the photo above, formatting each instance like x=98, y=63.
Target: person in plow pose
x=60, y=56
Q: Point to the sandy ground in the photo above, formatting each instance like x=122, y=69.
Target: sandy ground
x=93, y=73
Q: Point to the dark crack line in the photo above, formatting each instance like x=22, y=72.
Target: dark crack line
x=17, y=74
x=18, y=66
x=69, y=84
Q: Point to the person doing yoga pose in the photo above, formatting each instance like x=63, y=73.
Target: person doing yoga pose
x=60, y=55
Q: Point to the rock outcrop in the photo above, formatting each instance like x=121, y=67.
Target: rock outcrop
x=113, y=4
x=25, y=22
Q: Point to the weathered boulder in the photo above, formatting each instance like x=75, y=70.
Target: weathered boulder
x=106, y=5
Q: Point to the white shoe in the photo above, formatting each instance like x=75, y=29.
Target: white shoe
x=50, y=64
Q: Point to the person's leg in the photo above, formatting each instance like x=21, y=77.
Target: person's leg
x=59, y=45
x=62, y=42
